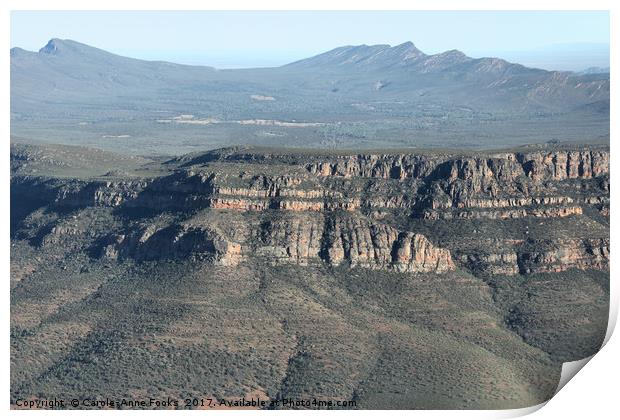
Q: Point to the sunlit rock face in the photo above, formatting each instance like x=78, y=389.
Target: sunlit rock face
x=372, y=211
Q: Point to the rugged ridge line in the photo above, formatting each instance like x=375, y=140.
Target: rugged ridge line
x=343, y=209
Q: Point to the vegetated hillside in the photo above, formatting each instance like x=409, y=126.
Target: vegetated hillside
x=67, y=70
x=485, y=82
x=361, y=96
x=396, y=280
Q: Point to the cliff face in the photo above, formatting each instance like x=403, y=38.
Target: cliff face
x=556, y=256
x=395, y=212
x=556, y=165
x=540, y=256
x=334, y=240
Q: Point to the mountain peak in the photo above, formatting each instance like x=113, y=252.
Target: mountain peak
x=453, y=53
x=15, y=51
x=407, y=51
x=379, y=55
x=73, y=50
x=53, y=46
x=56, y=46
x=406, y=46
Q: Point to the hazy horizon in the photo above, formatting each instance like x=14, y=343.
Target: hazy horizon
x=554, y=40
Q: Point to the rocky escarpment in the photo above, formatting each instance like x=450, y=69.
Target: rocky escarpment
x=397, y=212
x=334, y=240
x=560, y=255
x=537, y=256
x=538, y=184
x=557, y=165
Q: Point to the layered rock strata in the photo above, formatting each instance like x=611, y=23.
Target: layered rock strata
x=349, y=209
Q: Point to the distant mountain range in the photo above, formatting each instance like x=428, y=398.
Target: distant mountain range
x=67, y=80
x=407, y=55
x=68, y=68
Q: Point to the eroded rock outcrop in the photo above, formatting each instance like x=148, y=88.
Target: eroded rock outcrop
x=351, y=209
x=312, y=239
x=561, y=255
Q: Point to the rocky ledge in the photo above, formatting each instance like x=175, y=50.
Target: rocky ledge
x=378, y=211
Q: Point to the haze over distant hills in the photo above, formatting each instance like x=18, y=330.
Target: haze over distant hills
x=352, y=96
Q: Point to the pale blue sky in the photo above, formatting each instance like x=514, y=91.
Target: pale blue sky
x=563, y=40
